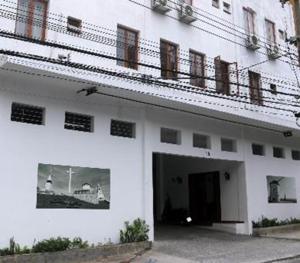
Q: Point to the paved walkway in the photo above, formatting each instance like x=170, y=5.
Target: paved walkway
x=191, y=245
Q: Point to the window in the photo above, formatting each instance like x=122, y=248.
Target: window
x=270, y=32
x=273, y=89
x=74, y=25
x=170, y=136
x=127, y=47
x=168, y=59
x=255, y=88
x=122, y=129
x=27, y=114
x=281, y=189
x=197, y=69
x=258, y=149
x=282, y=35
x=278, y=152
x=32, y=18
x=296, y=155
x=201, y=141
x=226, y=7
x=78, y=122
x=222, y=76
x=249, y=17
x=228, y=145
x=216, y=3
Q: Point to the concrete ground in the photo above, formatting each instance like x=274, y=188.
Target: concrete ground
x=287, y=235
x=192, y=244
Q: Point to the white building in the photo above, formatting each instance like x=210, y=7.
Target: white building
x=206, y=145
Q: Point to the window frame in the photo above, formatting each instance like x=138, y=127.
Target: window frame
x=43, y=113
x=270, y=22
x=132, y=126
x=250, y=13
x=202, y=81
x=222, y=83
x=253, y=99
x=91, y=119
x=168, y=73
x=125, y=60
x=30, y=21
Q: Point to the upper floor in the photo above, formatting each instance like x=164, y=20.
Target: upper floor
x=222, y=55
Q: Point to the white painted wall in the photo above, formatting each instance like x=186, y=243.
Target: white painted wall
x=22, y=146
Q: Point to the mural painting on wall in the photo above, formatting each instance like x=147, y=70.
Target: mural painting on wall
x=61, y=186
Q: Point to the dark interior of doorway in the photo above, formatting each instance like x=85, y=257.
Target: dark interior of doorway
x=204, y=200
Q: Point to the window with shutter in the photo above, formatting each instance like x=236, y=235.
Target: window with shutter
x=169, y=60
x=255, y=88
x=270, y=32
x=197, y=69
x=127, y=47
x=222, y=76
x=249, y=17
x=32, y=18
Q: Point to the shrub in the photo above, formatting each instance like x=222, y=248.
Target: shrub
x=14, y=249
x=135, y=232
x=58, y=244
x=266, y=222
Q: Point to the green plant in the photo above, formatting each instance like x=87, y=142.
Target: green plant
x=59, y=244
x=135, y=232
x=266, y=222
x=14, y=249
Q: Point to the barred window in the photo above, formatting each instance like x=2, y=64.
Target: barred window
x=296, y=155
x=78, y=122
x=122, y=129
x=170, y=136
x=228, y=145
x=201, y=141
x=27, y=114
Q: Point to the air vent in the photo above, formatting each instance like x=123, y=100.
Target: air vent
x=258, y=149
x=296, y=155
x=201, y=141
x=78, y=122
x=228, y=145
x=27, y=114
x=122, y=129
x=278, y=152
x=170, y=136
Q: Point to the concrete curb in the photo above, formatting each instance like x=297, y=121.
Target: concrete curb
x=264, y=231
x=283, y=259
x=80, y=255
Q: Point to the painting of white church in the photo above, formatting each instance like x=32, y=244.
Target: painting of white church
x=71, y=187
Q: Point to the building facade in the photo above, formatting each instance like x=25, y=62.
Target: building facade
x=173, y=108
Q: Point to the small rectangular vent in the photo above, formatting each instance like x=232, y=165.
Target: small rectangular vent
x=258, y=149
x=78, y=122
x=122, y=129
x=27, y=114
x=296, y=155
x=201, y=141
x=228, y=145
x=278, y=152
x=170, y=136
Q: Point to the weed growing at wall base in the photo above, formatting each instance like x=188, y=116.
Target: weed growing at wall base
x=47, y=245
x=135, y=232
x=269, y=222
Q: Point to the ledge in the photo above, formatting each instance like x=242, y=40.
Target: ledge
x=80, y=255
x=266, y=231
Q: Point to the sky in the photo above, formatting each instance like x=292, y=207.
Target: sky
x=60, y=178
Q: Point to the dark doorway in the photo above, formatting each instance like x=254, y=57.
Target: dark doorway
x=204, y=198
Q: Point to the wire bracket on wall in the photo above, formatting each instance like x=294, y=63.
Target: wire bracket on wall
x=89, y=91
